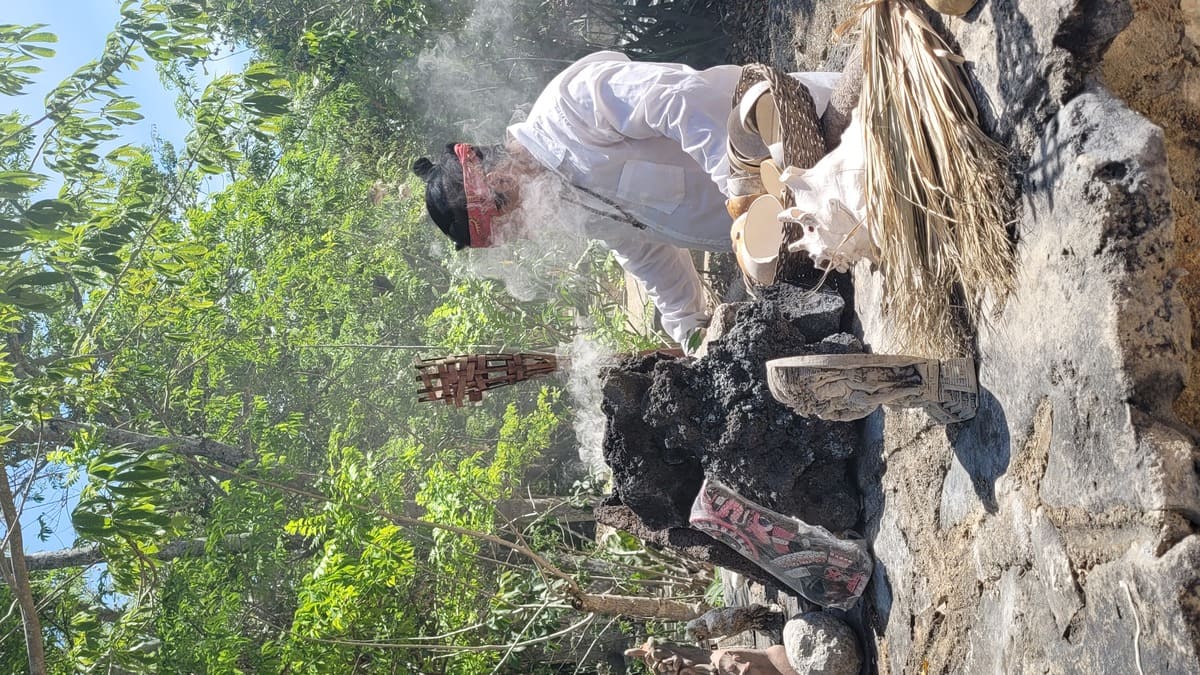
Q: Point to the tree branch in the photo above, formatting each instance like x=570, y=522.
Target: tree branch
x=17, y=577
x=455, y=648
x=649, y=608
x=83, y=556
x=226, y=456
x=61, y=431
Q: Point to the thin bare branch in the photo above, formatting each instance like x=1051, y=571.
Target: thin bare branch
x=62, y=432
x=83, y=556
x=17, y=577
x=458, y=648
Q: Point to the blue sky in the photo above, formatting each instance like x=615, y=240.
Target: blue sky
x=81, y=27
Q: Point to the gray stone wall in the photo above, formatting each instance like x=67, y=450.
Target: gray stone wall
x=1055, y=531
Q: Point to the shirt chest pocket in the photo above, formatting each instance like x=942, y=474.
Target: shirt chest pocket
x=658, y=186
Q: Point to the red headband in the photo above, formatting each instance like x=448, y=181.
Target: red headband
x=481, y=204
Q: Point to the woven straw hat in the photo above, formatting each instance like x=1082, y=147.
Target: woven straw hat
x=778, y=108
x=786, y=107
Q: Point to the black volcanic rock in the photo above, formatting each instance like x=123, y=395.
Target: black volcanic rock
x=671, y=422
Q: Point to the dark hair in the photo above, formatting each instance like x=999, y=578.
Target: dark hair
x=445, y=199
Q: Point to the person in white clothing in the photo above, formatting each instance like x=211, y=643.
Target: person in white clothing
x=644, y=143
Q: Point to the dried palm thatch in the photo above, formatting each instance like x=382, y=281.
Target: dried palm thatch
x=938, y=190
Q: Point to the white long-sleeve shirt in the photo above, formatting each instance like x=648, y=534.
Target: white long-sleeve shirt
x=652, y=138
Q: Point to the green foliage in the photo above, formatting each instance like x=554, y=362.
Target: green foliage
x=121, y=509
x=358, y=43
x=226, y=610
x=514, y=47
x=20, y=48
x=250, y=295
x=13, y=658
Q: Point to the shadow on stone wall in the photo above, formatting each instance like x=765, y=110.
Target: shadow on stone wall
x=983, y=448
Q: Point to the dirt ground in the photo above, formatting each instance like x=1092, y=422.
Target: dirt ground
x=1155, y=67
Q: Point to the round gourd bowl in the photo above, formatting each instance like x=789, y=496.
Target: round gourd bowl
x=757, y=235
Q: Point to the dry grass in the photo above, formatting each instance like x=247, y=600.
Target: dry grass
x=937, y=187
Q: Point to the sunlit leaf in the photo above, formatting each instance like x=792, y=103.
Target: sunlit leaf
x=47, y=278
x=48, y=212
x=25, y=299
x=12, y=239
x=89, y=524
x=15, y=184
x=37, y=50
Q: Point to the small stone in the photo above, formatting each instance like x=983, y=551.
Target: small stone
x=818, y=643
x=726, y=621
x=724, y=317
x=952, y=7
x=840, y=343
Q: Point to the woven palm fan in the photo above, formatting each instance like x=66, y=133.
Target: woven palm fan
x=937, y=188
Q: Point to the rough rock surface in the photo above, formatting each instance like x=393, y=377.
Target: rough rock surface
x=1067, y=488
x=671, y=422
x=725, y=621
x=1154, y=66
x=1055, y=532
x=819, y=643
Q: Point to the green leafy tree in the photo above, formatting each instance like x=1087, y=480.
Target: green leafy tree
x=213, y=345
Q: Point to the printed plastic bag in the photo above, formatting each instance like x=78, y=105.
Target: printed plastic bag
x=826, y=570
